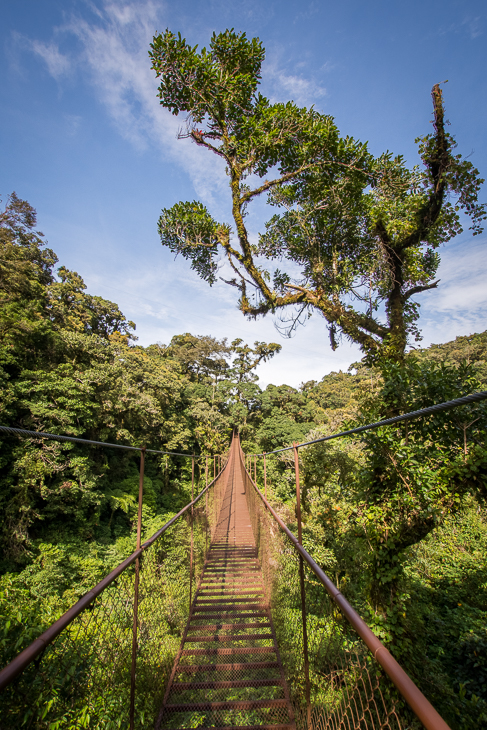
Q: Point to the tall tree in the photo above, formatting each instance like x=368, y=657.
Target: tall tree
x=26, y=271
x=203, y=357
x=246, y=359
x=364, y=232
x=242, y=391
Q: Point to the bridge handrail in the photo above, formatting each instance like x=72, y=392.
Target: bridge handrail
x=60, y=437
x=29, y=654
x=464, y=400
x=423, y=709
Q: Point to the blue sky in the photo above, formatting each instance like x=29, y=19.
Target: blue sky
x=84, y=140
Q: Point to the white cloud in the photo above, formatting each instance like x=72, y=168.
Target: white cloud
x=72, y=124
x=285, y=80
x=283, y=86
x=459, y=305
x=114, y=54
x=57, y=63
x=473, y=26
x=327, y=67
x=462, y=273
x=301, y=90
x=165, y=301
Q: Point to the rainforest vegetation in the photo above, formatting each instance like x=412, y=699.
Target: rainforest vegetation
x=354, y=239
x=398, y=516
x=70, y=364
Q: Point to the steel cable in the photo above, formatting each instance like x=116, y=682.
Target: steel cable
x=58, y=437
x=465, y=400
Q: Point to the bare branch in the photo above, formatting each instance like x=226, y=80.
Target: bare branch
x=418, y=289
x=199, y=139
x=272, y=183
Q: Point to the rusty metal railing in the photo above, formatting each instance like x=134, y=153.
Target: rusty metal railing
x=306, y=574
x=105, y=661
x=340, y=674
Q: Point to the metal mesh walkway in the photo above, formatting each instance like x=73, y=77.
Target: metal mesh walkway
x=228, y=671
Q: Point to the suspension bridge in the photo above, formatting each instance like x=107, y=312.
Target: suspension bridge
x=221, y=620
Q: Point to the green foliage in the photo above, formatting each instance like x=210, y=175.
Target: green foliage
x=286, y=417
x=395, y=516
x=471, y=349
x=216, y=82
x=189, y=230
x=446, y=574
x=68, y=365
x=356, y=235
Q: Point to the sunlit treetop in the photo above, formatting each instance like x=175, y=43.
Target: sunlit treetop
x=363, y=232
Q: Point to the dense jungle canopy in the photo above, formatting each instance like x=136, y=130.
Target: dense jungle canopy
x=396, y=517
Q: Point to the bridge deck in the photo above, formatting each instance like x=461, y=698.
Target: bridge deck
x=228, y=672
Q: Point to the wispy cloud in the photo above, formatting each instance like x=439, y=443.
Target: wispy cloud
x=112, y=52
x=57, y=63
x=473, y=26
x=160, y=313
x=459, y=304
x=462, y=272
x=284, y=80
x=301, y=90
x=313, y=8
x=327, y=67
x=72, y=124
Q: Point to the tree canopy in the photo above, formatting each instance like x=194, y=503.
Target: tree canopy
x=363, y=232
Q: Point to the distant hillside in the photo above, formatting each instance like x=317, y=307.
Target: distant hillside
x=472, y=348
x=337, y=395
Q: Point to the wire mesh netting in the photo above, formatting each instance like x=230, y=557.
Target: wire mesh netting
x=235, y=630
x=339, y=684
x=228, y=672
x=83, y=678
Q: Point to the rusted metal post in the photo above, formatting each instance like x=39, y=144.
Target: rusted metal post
x=207, y=515
x=265, y=479
x=214, y=488
x=303, y=591
x=255, y=469
x=136, y=593
x=215, y=506
x=191, y=550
